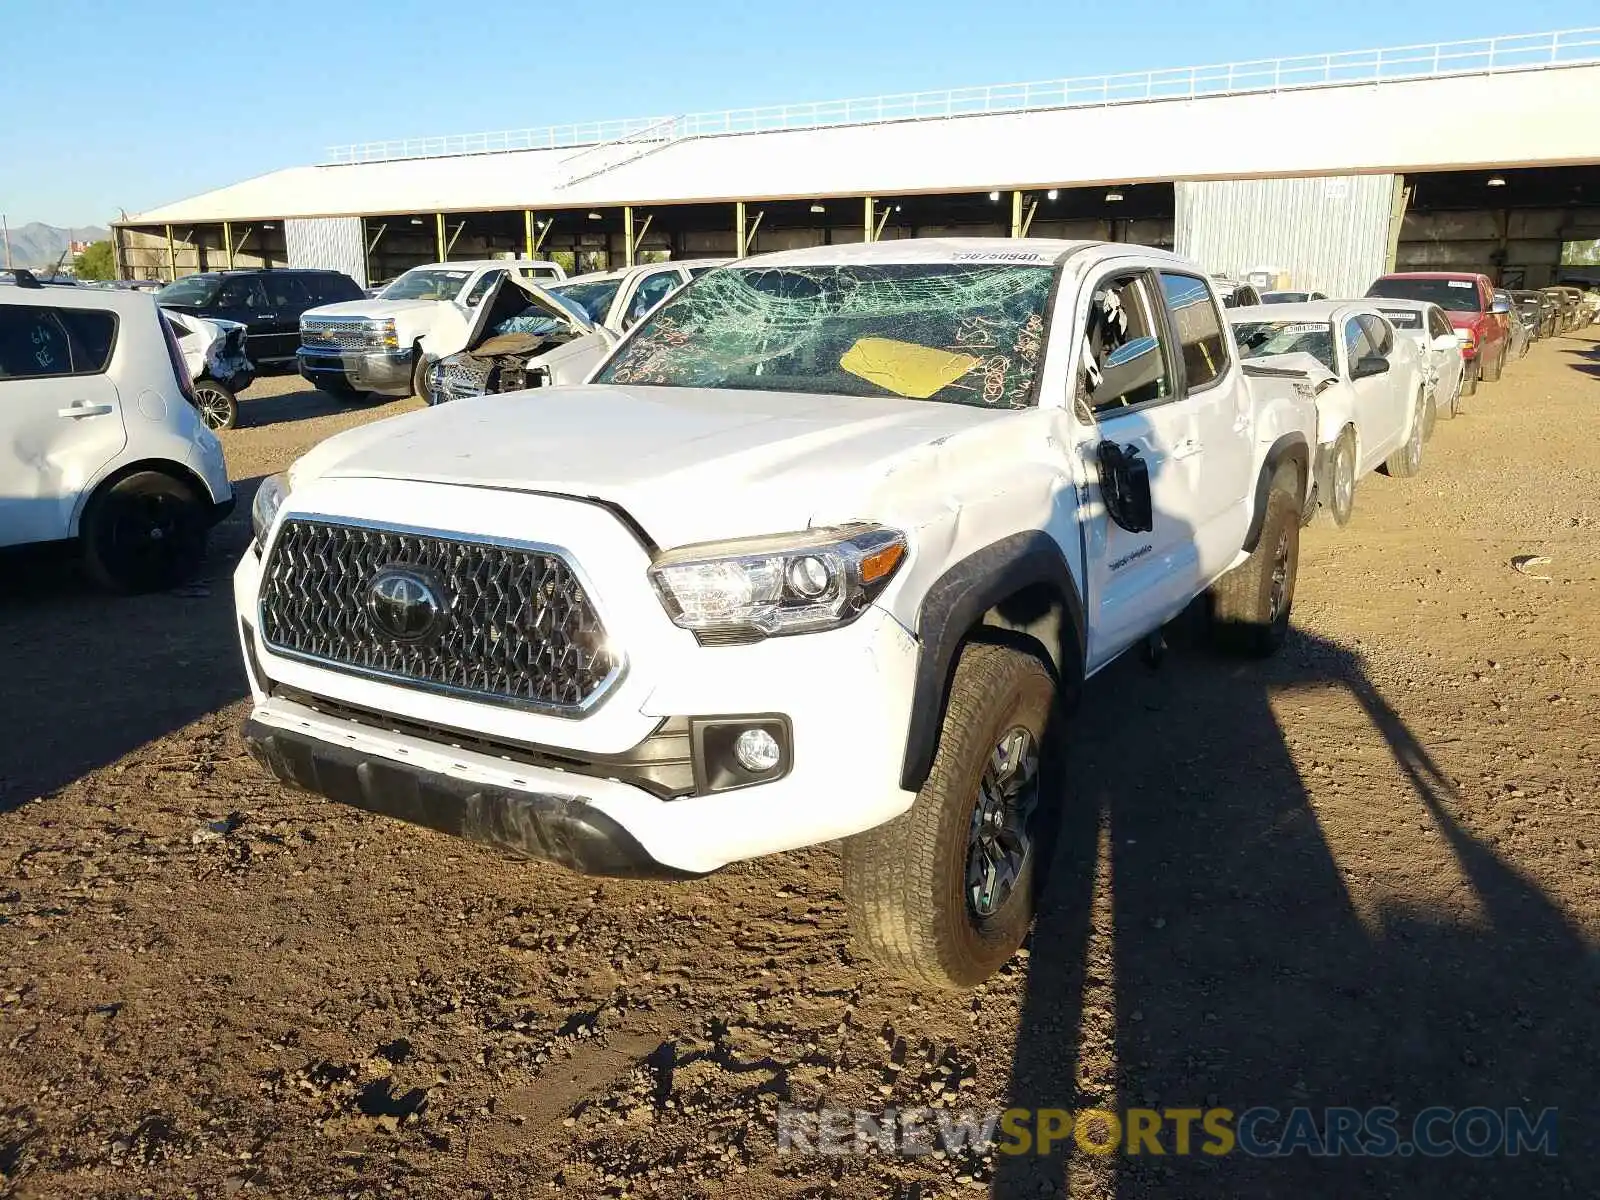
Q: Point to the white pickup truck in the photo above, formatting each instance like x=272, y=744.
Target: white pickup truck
x=384, y=345
x=818, y=553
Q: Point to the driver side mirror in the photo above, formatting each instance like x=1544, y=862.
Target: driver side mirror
x=1366, y=368
x=1125, y=487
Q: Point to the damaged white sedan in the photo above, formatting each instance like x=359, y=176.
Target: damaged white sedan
x=1372, y=392
x=214, y=352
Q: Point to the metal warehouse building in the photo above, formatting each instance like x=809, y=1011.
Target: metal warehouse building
x=1328, y=169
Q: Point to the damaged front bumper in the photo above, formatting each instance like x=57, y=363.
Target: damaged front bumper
x=386, y=372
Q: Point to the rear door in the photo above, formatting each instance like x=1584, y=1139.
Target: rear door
x=1219, y=407
x=287, y=298
x=241, y=298
x=60, y=414
x=1128, y=394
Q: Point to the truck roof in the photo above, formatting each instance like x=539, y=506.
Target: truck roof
x=994, y=251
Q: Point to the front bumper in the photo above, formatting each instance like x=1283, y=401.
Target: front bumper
x=552, y=826
x=387, y=372
x=845, y=694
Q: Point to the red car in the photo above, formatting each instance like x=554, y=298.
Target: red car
x=1481, y=321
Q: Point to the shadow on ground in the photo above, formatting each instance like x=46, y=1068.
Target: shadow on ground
x=281, y=408
x=1244, y=974
x=89, y=677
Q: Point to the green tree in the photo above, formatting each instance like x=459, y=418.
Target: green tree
x=97, y=262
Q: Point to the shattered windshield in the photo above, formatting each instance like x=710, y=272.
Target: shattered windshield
x=594, y=297
x=426, y=285
x=957, y=332
x=1257, y=339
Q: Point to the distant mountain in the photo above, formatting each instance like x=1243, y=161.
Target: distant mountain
x=39, y=245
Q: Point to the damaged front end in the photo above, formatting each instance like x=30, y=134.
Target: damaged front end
x=226, y=361
x=524, y=337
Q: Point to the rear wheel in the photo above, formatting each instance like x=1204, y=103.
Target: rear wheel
x=943, y=894
x=1469, y=384
x=1430, y=417
x=1250, y=605
x=217, y=405
x=144, y=533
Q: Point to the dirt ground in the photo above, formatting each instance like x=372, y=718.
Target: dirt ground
x=1361, y=874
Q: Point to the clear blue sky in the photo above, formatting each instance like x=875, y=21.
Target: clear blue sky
x=120, y=105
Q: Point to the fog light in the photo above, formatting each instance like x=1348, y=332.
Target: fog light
x=757, y=750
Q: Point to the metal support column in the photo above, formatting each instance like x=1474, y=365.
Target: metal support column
x=119, y=253
x=1399, y=198
x=741, y=247
x=438, y=237
x=627, y=235
x=527, y=232
x=867, y=217
x=227, y=242
x=1016, y=214
x=172, y=255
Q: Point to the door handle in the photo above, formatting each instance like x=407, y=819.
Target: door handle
x=81, y=408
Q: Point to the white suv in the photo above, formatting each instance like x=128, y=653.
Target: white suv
x=100, y=440
x=814, y=555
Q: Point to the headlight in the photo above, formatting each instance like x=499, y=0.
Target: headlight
x=387, y=337
x=269, y=498
x=788, y=583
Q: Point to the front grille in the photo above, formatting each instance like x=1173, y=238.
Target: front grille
x=338, y=333
x=460, y=378
x=515, y=625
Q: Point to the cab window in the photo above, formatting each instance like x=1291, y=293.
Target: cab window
x=1356, y=343
x=1199, y=325
x=481, y=289
x=651, y=292
x=1125, y=360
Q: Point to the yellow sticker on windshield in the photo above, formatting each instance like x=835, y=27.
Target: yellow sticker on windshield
x=905, y=368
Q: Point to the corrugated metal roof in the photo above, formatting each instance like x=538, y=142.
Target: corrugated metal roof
x=1520, y=118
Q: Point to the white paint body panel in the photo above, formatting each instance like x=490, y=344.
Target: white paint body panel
x=51, y=463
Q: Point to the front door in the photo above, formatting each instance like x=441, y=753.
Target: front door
x=60, y=416
x=1128, y=394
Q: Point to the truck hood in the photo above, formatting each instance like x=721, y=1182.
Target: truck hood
x=375, y=308
x=688, y=464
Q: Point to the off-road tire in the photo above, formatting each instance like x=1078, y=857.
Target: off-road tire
x=1250, y=605
x=905, y=881
x=144, y=533
x=1406, y=461
x=1343, y=458
x=217, y=405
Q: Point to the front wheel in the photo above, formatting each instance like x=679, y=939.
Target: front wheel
x=944, y=893
x=1492, y=373
x=1430, y=417
x=1250, y=605
x=1407, y=460
x=217, y=405
x=1469, y=383
x=145, y=533
x=419, y=374
x=1341, y=502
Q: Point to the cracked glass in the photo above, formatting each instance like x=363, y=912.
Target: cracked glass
x=956, y=333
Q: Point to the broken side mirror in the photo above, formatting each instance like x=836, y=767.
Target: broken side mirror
x=1125, y=487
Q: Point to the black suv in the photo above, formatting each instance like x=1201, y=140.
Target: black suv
x=269, y=301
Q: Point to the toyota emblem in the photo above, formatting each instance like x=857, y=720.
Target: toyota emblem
x=404, y=603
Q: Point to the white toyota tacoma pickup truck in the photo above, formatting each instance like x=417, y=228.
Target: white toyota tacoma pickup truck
x=818, y=553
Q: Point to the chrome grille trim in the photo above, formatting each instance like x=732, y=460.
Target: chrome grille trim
x=339, y=333
x=580, y=692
